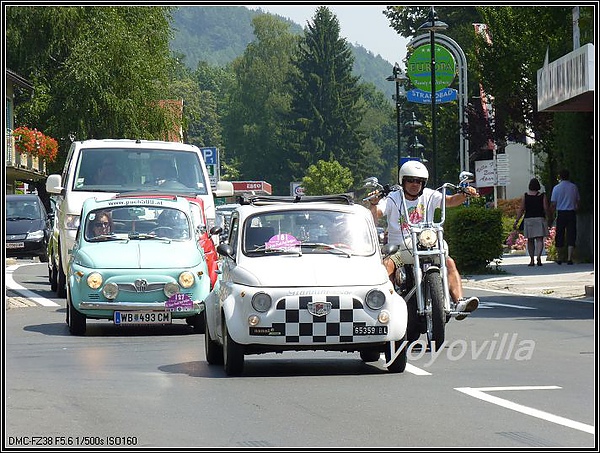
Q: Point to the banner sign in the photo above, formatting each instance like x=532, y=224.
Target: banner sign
x=419, y=67
x=423, y=97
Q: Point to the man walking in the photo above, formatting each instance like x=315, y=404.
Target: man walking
x=565, y=202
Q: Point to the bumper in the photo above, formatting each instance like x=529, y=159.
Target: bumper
x=107, y=309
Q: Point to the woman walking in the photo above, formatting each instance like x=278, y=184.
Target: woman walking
x=534, y=205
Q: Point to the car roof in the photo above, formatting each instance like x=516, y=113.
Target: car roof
x=23, y=196
x=130, y=144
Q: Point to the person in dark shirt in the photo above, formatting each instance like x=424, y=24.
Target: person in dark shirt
x=534, y=205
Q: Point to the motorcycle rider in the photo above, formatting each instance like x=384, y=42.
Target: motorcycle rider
x=421, y=201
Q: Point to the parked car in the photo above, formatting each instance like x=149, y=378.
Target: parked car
x=27, y=227
x=104, y=168
x=136, y=261
x=303, y=274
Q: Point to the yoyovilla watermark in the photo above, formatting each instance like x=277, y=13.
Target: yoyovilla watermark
x=500, y=347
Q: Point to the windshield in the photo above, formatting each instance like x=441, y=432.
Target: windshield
x=308, y=231
x=23, y=209
x=125, y=169
x=137, y=222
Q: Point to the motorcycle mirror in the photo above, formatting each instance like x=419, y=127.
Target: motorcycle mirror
x=466, y=176
x=371, y=182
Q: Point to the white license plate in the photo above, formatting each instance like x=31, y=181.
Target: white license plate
x=15, y=245
x=142, y=317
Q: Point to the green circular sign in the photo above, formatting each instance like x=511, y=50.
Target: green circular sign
x=419, y=68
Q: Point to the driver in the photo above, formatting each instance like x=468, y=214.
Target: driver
x=421, y=202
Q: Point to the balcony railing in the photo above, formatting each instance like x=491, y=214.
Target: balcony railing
x=22, y=161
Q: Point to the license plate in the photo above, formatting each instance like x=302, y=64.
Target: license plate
x=370, y=330
x=142, y=317
x=15, y=245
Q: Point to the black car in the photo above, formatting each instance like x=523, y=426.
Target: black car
x=27, y=227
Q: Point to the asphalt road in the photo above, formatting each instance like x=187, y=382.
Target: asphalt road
x=518, y=373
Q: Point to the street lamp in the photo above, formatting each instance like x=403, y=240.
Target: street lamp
x=413, y=124
x=399, y=77
x=432, y=25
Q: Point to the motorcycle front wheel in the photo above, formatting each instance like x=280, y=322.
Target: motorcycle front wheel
x=433, y=292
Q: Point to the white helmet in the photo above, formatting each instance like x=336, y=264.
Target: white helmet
x=413, y=169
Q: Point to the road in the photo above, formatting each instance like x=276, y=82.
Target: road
x=518, y=373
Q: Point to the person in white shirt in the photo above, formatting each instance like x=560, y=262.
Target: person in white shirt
x=421, y=202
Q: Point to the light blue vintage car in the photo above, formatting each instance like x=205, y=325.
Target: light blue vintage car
x=136, y=261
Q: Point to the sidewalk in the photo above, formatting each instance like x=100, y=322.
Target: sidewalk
x=574, y=282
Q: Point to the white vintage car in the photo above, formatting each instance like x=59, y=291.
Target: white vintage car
x=303, y=273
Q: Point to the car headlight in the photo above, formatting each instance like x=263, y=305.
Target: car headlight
x=170, y=289
x=261, y=302
x=375, y=299
x=72, y=222
x=427, y=238
x=39, y=234
x=94, y=280
x=186, y=279
x=110, y=290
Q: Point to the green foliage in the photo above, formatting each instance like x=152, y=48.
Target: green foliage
x=475, y=237
x=327, y=178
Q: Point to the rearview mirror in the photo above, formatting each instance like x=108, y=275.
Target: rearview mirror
x=466, y=176
x=371, y=182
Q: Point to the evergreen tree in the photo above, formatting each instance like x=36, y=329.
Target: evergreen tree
x=327, y=107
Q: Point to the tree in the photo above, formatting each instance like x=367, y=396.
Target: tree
x=327, y=108
x=257, y=102
x=327, y=178
x=97, y=72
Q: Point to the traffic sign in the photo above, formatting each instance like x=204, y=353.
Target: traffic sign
x=211, y=159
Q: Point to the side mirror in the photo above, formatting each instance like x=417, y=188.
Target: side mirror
x=224, y=189
x=466, y=176
x=53, y=184
x=371, y=183
x=225, y=250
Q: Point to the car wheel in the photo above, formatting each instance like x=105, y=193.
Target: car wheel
x=212, y=350
x=369, y=355
x=399, y=363
x=52, y=275
x=75, y=319
x=61, y=281
x=233, y=354
x=44, y=256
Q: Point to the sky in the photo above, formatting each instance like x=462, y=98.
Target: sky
x=364, y=25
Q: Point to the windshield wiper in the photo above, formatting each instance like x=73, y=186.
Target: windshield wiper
x=147, y=236
x=277, y=250
x=105, y=237
x=328, y=247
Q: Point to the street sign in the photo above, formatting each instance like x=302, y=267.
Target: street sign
x=419, y=67
x=211, y=159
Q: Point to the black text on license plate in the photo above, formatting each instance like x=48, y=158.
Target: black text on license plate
x=370, y=330
x=142, y=317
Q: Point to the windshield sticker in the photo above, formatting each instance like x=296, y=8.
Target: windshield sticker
x=282, y=242
x=179, y=302
x=150, y=201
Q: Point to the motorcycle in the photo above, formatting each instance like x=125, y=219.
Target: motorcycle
x=423, y=283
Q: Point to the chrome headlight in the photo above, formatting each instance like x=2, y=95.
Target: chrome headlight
x=94, y=280
x=39, y=234
x=427, y=238
x=261, y=302
x=375, y=299
x=186, y=279
x=110, y=290
x=170, y=289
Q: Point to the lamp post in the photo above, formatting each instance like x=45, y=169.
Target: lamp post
x=399, y=78
x=413, y=124
x=432, y=25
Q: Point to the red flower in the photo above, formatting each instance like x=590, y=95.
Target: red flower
x=32, y=141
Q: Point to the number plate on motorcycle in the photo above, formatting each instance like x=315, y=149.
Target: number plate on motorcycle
x=370, y=330
x=142, y=317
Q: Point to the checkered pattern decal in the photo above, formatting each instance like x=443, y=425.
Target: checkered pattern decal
x=300, y=326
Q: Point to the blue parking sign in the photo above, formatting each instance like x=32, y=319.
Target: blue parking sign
x=211, y=155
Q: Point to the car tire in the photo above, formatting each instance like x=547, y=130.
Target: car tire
x=369, y=355
x=52, y=275
x=399, y=364
x=212, y=350
x=233, y=354
x=61, y=280
x=76, y=320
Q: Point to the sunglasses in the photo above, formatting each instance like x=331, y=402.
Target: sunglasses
x=413, y=180
x=101, y=224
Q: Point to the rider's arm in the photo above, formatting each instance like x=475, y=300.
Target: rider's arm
x=459, y=198
x=375, y=209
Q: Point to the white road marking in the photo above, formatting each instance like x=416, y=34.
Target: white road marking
x=481, y=394
x=418, y=371
x=11, y=284
x=483, y=304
